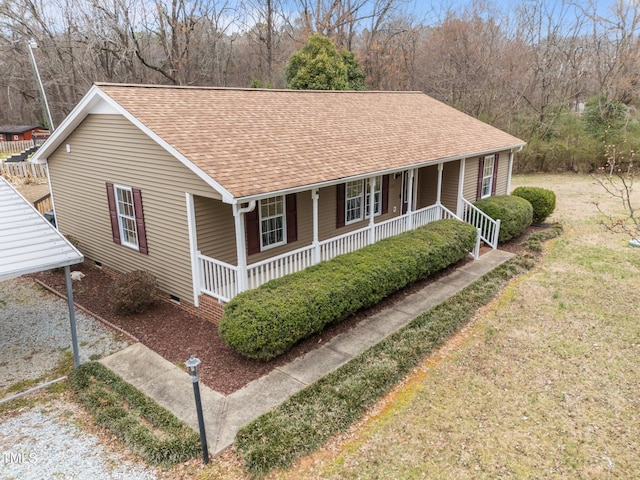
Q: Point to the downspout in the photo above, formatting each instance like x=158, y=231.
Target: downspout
x=241, y=250
x=511, y=156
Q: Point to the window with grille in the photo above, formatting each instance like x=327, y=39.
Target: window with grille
x=126, y=216
x=487, y=176
x=272, y=222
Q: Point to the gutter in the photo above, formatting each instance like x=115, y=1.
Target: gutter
x=338, y=181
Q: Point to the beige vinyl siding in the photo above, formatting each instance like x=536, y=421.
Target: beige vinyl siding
x=503, y=174
x=327, y=206
x=450, y=182
x=471, y=173
x=304, y=209
x=215, y=229
x=108, y=148
x=471, y=170
x=427, y=186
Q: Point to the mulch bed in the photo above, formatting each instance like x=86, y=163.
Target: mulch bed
x=176, y=334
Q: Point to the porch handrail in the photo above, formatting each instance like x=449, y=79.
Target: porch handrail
x=488, y=227
x=217, y=278
x=220, y=279
x=280, y=265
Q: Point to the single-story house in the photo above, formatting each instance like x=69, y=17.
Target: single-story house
x=217, y=190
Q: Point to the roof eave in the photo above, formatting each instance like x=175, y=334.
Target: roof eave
x=79, y=113
x=337, y=181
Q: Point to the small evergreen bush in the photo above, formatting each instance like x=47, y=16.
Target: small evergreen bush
x=134, y=292
x=147, y=428
x=267, y=321
x=515, y=214
x=542, y=200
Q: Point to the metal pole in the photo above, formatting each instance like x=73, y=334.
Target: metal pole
x=40, y=86
x=72, y=317
x=192, y=365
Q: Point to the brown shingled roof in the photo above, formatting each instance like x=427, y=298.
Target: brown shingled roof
x=257, y=141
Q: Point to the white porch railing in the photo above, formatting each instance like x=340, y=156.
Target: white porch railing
x=220, y=280
x=276, y=267
x=488, y=227
x=217, y=279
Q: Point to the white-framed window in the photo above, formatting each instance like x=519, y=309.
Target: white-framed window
x=358, y=199
x=487, y=176
x=353, y=201
x=272, y=222
x=126, y=216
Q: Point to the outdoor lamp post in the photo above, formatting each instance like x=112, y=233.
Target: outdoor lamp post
x=192, y=365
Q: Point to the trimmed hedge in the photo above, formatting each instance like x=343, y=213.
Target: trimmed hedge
x=267, y=321
x=305, y=421
x=514, y=213
x=127, y=413
x=542, y=200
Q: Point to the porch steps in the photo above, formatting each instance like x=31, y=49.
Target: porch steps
x=170, y=386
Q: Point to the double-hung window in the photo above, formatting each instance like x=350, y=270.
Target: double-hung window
x=126, y=216
x=353, y=201
x=358, y=199
x=487, y=176
x=272, y=222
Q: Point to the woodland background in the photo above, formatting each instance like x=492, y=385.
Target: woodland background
x=562, y=75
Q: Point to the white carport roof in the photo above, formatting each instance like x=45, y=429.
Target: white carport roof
x=28, y=242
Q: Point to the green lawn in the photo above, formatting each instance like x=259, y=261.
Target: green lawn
x=543, y=383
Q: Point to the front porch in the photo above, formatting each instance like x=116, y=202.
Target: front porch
x=224, y=281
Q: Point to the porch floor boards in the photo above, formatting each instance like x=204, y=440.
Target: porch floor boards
x=170, y=386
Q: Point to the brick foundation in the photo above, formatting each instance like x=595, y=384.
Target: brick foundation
x=210, y=309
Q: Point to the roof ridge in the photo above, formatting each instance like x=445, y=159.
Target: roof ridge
x=248, y=89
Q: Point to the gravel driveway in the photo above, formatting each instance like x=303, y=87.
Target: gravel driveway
x=35, y=331
x=45, y=441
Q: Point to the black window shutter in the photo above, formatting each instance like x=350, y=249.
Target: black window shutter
x=385, y=194
x=292, y=217
x=113, y=213
x=139, y=211
x=341, y=192
x=253, y=230
x=494, y=182
x=480, y=175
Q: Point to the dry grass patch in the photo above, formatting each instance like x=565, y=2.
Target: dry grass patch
x=545, y=385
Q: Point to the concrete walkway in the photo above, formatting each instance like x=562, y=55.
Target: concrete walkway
x=171, y=387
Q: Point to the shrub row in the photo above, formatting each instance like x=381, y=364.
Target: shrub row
x=542, y=200
x=125, y=411
x=309, y=418
x=265, y=322
x=515, y=214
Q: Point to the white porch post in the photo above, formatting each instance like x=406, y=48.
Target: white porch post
x=410, y=199
x=315, y=195
x=372, y=226
x=510, y=172
x=241, y=249
x=460, y=206
x=193, y=250
x=439, y=190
